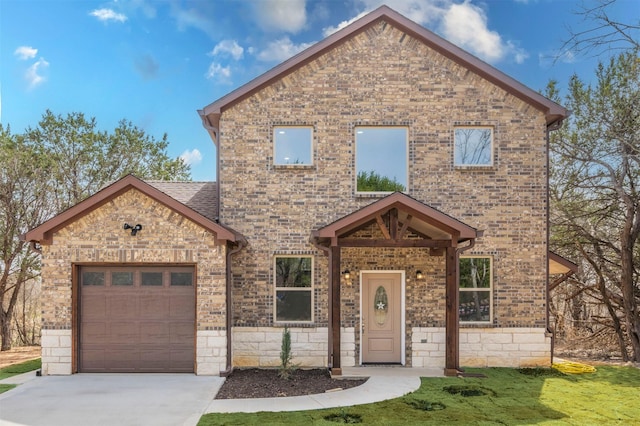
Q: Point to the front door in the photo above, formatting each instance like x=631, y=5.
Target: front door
x=381, y=317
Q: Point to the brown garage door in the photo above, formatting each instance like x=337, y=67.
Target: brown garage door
x=138, y=319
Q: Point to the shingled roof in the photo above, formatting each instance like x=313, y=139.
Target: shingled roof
x=199, y=196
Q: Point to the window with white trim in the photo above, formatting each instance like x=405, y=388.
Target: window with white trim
x=293, y=145
x=293, y=288
x=473, y=146
x=381, y=159
x=475, y=302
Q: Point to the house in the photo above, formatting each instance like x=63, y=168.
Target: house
x=383, y=194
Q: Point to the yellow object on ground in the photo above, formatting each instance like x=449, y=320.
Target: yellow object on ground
x=573, y=367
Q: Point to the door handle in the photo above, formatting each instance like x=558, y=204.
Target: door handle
x=363, y=325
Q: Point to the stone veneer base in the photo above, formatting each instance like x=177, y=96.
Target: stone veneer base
x=56, y=352
x=484, y=347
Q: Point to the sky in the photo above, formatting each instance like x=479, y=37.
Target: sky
x=156, y=62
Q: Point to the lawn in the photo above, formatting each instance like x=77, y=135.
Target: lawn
x=15, y=369
x=506, y=396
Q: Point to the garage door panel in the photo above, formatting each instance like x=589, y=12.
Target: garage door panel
x=94, y=331
x=154, y=332
x=123, y=307
x=180, y=305
x=123, y=332
x=123, y=358
x=181, y=333
x=154, y=306
x=92, y=359
x=95, y=307
x=181, y=359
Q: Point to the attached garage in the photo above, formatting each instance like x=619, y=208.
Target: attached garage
x=137, y=319
x=135, y=279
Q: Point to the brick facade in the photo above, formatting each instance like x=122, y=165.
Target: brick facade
x=383, y=76
x=166, y=238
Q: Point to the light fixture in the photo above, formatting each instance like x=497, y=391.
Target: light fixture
x=134, y=229
x=419, y=275
x=346, y=274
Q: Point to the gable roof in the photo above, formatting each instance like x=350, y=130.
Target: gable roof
x=554, y=113
x=44, y=233
x=434, y=222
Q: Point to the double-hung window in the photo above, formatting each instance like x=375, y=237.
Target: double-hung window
x=293, y=145
x=476, y=283
x=381, y=159
x=294, y=288
x=473, y=146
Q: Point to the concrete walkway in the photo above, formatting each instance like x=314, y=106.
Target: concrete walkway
x=384, y=383
x=174, y=399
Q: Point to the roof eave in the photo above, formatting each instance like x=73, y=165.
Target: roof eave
x=44, y=233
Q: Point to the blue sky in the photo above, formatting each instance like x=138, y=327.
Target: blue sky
x=155, y=62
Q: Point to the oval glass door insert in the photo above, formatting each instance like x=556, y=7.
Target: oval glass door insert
x=381, y=306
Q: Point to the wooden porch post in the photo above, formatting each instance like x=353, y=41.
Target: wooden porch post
x=452, y=341
x=334, y=328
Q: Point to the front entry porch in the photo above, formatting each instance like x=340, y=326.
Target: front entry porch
x=392, y=224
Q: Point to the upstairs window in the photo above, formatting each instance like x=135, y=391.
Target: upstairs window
x=475, y=301
x=293, y=145
x=294, y=289
x=381, y=159
x=473, y=146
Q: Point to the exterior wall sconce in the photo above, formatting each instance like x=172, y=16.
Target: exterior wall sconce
x=134, y=229
x=419, y=275
x=346, y=274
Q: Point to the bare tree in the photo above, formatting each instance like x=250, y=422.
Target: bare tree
x=595, y=198
x=603, y=31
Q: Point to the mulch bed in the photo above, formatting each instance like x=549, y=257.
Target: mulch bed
x=265, y=383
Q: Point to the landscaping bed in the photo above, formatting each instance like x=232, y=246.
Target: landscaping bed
x=265, y=383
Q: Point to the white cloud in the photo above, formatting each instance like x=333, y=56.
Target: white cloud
x=26, y=52
x=281, y=15
x=330, y=30
x=199, y=16
x=33, y=75
x=464, y=24
x=192, y=157
x=281, y=50
x=218, y=71
x=108, y=15
x=230, y=47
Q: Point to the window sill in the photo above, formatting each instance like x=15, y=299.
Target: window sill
x=294, y=166
x=375, y=194
x=482, y=168
x=477, y=324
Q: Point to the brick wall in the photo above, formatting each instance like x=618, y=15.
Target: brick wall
x=385, y=77
x=167, y=237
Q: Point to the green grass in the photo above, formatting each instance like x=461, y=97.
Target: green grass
x=506, y=397
x=23, y=367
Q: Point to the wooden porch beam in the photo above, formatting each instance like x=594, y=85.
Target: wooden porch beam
x=336, y=370
x=362, y=242
x=383, y=227
x=451, y=367
x=405, y=226
x=393, y=223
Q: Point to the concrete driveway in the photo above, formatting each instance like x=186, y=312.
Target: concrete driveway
x=109, y=399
